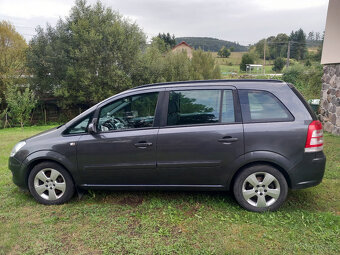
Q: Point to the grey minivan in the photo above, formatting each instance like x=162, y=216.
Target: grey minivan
x=255, y=137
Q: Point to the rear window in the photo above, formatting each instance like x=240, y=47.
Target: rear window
x=262, y=106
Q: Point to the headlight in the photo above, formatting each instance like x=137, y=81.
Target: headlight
x=17, y=147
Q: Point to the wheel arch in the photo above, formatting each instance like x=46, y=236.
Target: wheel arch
x=255, y=163
x=47, y=156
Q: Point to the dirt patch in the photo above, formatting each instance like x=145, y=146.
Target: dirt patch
x=133, y=201
x=193, y=210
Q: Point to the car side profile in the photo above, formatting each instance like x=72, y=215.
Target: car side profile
x=257, y=138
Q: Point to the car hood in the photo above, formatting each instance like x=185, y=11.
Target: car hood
x=43, y=134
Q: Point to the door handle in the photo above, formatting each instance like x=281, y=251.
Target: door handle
x=142, y=145
x=228, y=139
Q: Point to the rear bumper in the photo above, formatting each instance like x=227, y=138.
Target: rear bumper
x=18, y=175
x=309, y=172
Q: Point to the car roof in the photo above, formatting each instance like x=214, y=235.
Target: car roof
x=233, y=82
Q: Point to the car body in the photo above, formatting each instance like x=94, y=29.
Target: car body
x=200, y=135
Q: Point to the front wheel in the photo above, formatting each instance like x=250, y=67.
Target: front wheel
x=260, y=188
x=50, y=183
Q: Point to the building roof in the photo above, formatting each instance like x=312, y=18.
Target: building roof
x=253, y=65
x=182, y=43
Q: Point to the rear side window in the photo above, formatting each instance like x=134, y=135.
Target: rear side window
x=262, y=106
x=194, y=107
x=228, y=112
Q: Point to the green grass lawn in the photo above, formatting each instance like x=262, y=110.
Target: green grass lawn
x=168, y=222
x=225, y=69
x=234, y=58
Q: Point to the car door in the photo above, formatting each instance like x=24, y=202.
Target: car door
x=201, y=137
x=123, y=150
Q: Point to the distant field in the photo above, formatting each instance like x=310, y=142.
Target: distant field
x=226, y=70
x=312, y=49
x=234, y=58
x=232, y=64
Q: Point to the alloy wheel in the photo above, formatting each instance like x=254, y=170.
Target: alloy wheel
x=261, y=189
x=49, y=184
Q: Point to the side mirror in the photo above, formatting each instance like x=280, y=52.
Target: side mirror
x=92, y=128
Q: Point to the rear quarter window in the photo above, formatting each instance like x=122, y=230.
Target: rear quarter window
x=262, y=106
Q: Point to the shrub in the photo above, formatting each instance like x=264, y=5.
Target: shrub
x=308, y=63
x=223, y=52
x=246, y=59
x=160, y=67
x=306, y=79
x=279, y=63
x=20, y=103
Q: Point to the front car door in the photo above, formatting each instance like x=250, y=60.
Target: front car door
x=201, y=137
x=123, y=151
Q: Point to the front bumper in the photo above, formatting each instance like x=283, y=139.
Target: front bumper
x=309, y=171
x=18, y=175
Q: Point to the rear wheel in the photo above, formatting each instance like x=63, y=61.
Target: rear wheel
x=50, y=183
x=260, y=188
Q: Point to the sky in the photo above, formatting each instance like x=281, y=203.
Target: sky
x=243, y=21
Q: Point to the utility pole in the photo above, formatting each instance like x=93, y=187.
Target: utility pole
x=264, y=56
x=288, y=54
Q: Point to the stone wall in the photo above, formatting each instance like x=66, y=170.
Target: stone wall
x=330, y=99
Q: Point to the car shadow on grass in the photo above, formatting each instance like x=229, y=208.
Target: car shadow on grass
x=307, y=199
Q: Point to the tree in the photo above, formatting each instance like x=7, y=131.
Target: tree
x=246, y=59
x=12, y=57
x=160, y=44
x=223, y=52
x=317, y=36
x=311, y=36
x=91, y=55
x=169, y=40
x=20, y=103
x=276, y=46
x=203, y=66
x=259, y=49
x=279, y=63
x=298, y=48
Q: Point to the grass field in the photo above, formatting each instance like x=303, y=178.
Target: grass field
x=232, y=64
x=168, y=222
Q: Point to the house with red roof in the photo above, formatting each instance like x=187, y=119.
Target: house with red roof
x=183, y=46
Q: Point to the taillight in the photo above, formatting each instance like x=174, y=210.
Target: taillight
x=314, y=141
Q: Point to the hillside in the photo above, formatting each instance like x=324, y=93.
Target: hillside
x=210, y=44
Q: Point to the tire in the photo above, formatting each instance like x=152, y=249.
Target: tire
x=50, y=184
x=260, y=188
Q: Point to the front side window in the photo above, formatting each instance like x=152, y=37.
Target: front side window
x=193, y=107
x=79, y=127
x=131, y=112
x=262, y=106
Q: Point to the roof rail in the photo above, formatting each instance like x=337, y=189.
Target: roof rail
x=204, y=81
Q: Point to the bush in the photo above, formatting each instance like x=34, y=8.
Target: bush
x=20, y=103
x=279, y=63
x=224, y=52
x=306, y=79
x=246, y=59
x=159, y=67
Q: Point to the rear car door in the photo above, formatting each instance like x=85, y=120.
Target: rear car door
x=201, y=136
